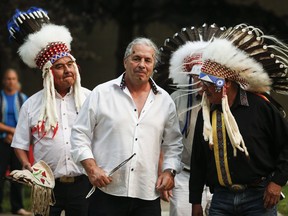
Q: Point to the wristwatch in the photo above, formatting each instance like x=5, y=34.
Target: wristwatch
x=171, y=171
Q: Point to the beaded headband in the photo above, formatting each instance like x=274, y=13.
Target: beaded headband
x=218, y=70
x=52, y=52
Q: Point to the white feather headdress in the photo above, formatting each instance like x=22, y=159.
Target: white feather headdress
x=257, y=62
x=173, y=69
x=223, y=59
x=183, y=60
x=43, y=43
x=38, y=41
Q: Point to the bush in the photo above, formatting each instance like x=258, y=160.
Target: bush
x=283, y=204
x=6, y=197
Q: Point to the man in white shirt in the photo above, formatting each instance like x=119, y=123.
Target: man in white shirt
x=128, y=115
x=46, y=118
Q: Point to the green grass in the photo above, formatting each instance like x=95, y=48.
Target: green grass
x=283, y=204
x=26, y=197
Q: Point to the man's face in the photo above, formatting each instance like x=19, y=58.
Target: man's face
x=10, y=81
x=212, y=94
x=139, y=65
x=64, y=73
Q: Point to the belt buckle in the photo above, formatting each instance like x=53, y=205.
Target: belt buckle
x=237, y=187
x=66, y=179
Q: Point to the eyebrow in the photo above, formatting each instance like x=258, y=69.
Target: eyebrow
x=71, y=61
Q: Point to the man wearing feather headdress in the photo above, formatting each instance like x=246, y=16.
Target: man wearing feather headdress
x=47, y=116
x=181, y=60
x=241, y=151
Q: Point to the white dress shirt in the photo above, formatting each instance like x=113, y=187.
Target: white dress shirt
x=108, y=129
x=55, y=151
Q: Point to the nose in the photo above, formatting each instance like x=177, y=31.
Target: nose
x=67, y=68
x=142, y=63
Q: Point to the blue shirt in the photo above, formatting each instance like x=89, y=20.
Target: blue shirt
x=11, y=120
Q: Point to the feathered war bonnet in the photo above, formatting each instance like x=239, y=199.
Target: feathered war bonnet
x=181, y=53
x=181, y=57
x=41, y=44
x=257, y=62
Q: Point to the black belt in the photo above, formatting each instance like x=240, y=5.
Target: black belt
x=70, y=179
x=238, y=188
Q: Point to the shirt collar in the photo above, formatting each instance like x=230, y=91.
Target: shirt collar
x=68, y=93
x=154, y=87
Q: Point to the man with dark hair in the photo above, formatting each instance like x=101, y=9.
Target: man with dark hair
x=46, y=118
x=240, y=145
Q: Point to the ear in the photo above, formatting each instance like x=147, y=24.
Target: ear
x=125, y=62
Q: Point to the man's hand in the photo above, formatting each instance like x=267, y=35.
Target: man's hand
x=27, y=165
x=8, y=139
x=197, y=210
x=165, y=181
x=165, y=195
x=96, y=175
x=272, y=195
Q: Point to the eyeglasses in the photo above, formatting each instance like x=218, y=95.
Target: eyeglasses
x=207, y=84
x=61, y=66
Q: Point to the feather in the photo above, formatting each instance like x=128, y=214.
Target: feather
x=193, y=34
x=164, y=76
x=266, y=51
x=24, y=23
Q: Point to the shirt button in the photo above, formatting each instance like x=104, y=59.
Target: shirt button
x=65, y=128
x=137, y=124
x=132, y=169
x=62, y=99
x=68, y=158
x=64, y=114
x=67, y=142
x=136, y=139
x=135, y=110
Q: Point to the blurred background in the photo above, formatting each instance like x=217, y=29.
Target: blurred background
x=101, y=29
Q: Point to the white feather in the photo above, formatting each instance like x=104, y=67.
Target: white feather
x=177, y=60
x=223, y=52
x=39, y=40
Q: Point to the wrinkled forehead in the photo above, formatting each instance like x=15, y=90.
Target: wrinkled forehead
x=143, y=51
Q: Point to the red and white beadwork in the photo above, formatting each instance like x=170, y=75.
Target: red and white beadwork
x=218, y=70
x=51, y=52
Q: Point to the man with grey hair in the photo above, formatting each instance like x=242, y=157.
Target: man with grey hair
x=127, y=116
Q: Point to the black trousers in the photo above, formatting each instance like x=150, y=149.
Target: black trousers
x=102, y=204
x=9, y=160
x=71, y=198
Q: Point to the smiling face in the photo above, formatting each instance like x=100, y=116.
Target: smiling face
x=139, y=65
x=64, y=74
